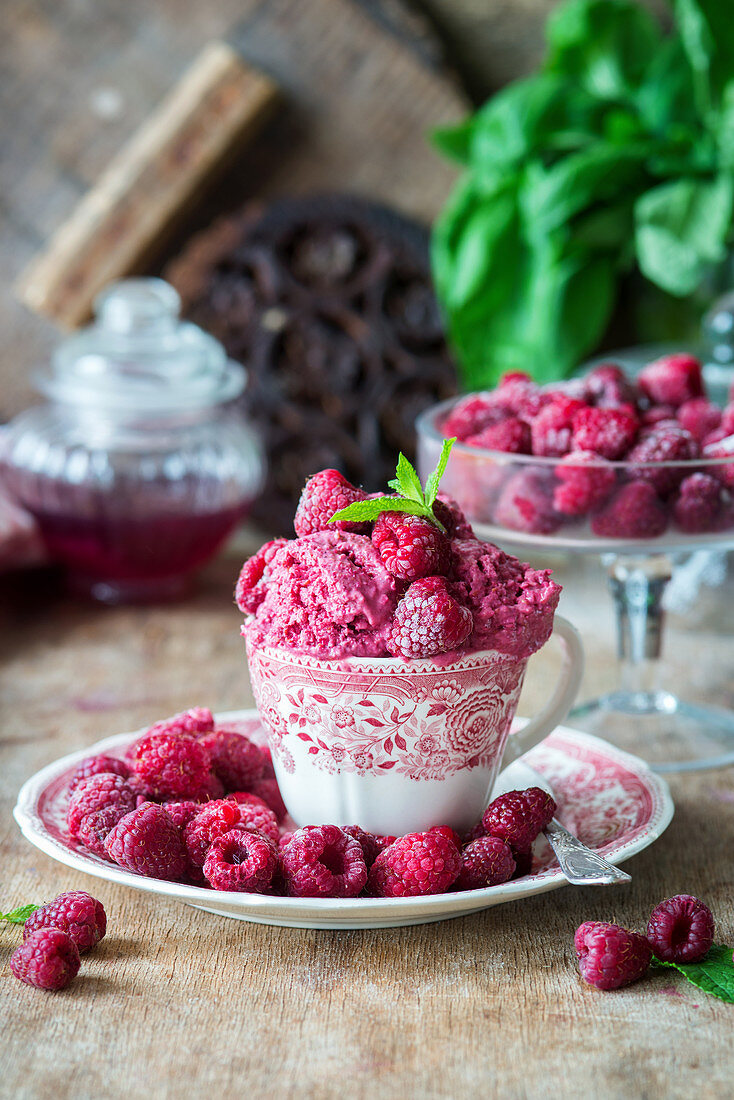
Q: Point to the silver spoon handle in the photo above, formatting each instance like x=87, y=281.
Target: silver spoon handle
x=580, y=865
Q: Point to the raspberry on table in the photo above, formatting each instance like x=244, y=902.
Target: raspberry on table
x=148, y=842
x=95, y=765
x=75, y=912
x=410, y=547
x=700, y=417
x=415, y=865
x=322, y=861
x=681, y=929
x=324, y=494
x=699, y=504
x=585, y=483
x=610, y=956
x=171, y=765
x=665, y=443
x=103, y=791
x=268, y=790
x=518, y=816
x=552, y=428
x=511, y=435
x=256, y=814
x=634, y=512
x=606, y=432
x=242, y=860
x=525, y=503
x=235, y=759
x=47, y=959
x=253, y=579
x=486, y=861
x=195, y=721
x=672, y=379
x=428, y=621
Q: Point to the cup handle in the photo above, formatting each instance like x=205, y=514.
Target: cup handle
x=562, y=698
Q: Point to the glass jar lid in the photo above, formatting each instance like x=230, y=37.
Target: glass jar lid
x=138, y=356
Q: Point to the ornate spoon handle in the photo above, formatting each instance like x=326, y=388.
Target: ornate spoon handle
x=579, y=864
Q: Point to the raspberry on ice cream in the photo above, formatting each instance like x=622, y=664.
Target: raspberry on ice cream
x=324, y=494
x=148, y=842
x=410, y=547
x=415, y=865
x=47, y=959
x=103, y=791
x=322, y=861
x=681, y=929
x=235, y=760
x=75, y=912
x=171, y=765
x=486, y=861
x=428, y=621
x=252, y=581
x=610, y=956
x=242, y=860
x=518, y=816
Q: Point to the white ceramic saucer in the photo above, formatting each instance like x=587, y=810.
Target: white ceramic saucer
x=611, y=800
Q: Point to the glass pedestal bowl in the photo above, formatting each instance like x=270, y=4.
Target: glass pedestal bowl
x=509, y=498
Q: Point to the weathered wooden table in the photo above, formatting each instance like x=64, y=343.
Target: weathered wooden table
x=178, y=1002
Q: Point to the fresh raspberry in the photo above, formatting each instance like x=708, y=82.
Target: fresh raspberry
x=414, y=865
x=242, y=860
x=672, y=380
x=94, y=828
x=368, y=842
x=473, y=834
x=448, y=832
x=235, y=760
x=523, y=863
x=75, y=912
x=322, y=861
x=448, y=513
x=428, y=621
x=487, y=861
x=585, y=483
x=48, y=959
x=472, y=415
x=253, y=579
x=256, y=814
x=269, y=791
x=148, y=842
x=552, y=428
x=171, y=765
x=410, y=547
x=609, y=956
x=103, y=791
x=268, y=769
x=699, y=506
x=518, y=816
x=525, y=503
x=196, y=721
x=665, y=443
x=634, y=513
x=95, y=765
x=324, y=494
x=681, y=929
x=607, y=432
x=181, y=813
x=608, y=387
x=212, y=790
x=700, y=417
x=213, y=820
x=511, y=435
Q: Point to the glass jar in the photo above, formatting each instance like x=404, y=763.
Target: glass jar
x=142, y=461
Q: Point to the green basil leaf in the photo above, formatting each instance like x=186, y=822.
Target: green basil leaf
x=680, y=229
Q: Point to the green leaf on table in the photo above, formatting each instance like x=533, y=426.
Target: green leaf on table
x=714, y=974
x=680, y=229
x=19, y=915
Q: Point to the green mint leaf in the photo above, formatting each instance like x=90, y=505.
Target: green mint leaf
x=368, y=510
x=714, y=974
x=394, y=485
x=433, y=480
x=19, y=915
x=409, y=484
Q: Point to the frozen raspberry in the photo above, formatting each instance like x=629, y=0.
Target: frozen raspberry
x=368, y=842
x=658, y=414
x=720, y=446
x=48, y=959
x=181, y=813
x=269, y=791
x=213, y=820
x=607, y=432
x=256, y=814
x=487, y=861
x=253, y=579
x=511, y=435
x=95, y=827
x=472, y=415
x=324, y=494
x=242, y=860
x=699, y=506
x=75, y=912
x=552, y=428
x=525, y=503
x=520, y=395
x=95, y=765
x=609, y=956
x=196, y=721
x=235, y=760
x=700, y=417
x=428, y=621
x=608, y=387
x=322, y=861
x=148, y=842
x=634, y=513
x=414, y=865
x=681, y=929
x=172, y=766
x=672, y=380
x=523, y=863
x=518, y=816
x=585, y=483
x=727, y=420
x=665, y=443
x=410, y=547
x=448, y=513
x=104, y=791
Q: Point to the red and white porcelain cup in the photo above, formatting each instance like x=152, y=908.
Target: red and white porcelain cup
x=397, y=745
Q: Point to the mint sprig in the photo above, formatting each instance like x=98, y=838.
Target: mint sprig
x=411, y=498
x=19, y=915
x=714, y=973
